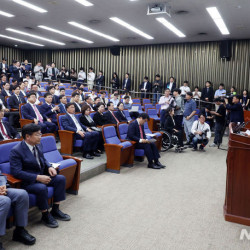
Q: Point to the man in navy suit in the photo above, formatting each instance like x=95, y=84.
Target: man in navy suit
x=90, y=138
x=16, y=98
x=62, y=105
x=17, y=71
x=171, y=85
x=32, y=112
x=136, y=133
x=7, y=132
x=28, y=163
x=207, y=94
x=55, y=98
x=110, y=115
x=126, y=84
x=145, y=87
x=236, y=110
x=3, y=80
x=4, y=67
x=6, y=90
x=49, y=110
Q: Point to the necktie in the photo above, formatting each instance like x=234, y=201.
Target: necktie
x=2, y=130
x=141, y=133
x=35, y=155
x=38, y=114
x=18, y=98
x=53, y=72
x=114, y=117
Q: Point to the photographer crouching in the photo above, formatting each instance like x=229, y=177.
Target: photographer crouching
x=201, y=133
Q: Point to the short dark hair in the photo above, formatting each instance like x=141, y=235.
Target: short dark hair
x=61, y=96
x=81, y=68
x=84, y=108
x=14, y=80
x=217, y=99
x=87, y=97
x=29, y=129
x=81, y=89
x=144, y=116
x=196, y=87
x=62, y=89
x=96, y=98
x=157, y=75
x=30, y=94
x=74, y=94
x=186, y=82
x=222, y=84
x=177, y=90
x=145, y=77
x=91, y=68
x=15, y=87
x=51, y=87
x=127, y=74
x=69, y=104
x=5, y=83
x=109, y=104
x=201, y=114
x=209, y=82
x=47, y=94
x=116, y=94
x=190, y=94
x=99, y=104
x=119, y=103
x=237, y=96
x=125, y=97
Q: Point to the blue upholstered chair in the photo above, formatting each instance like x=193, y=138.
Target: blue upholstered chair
x=158, y=108
x=118, y=152
x=136, y=100
x=92, y=113
x=158, y=136
x=126, y=112
x=68, y=92
x=148, y=106
x=42, y=99
x=154, y=119
x=66, y=85
x=145, y=100
x=22, y=120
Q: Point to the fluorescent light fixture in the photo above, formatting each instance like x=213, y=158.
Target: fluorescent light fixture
x=130, y=27
x=3, y=13
x=64, y=34
x=30, y=6
x=78, y=25
x=216, y=16
x=20, y=40
x=34, y=36
x=84, y=2
x=170, y=26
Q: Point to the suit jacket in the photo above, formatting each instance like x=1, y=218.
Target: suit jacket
x=134, y=132
x=1, y=68
x=157, y=88
x=77, y=110
x=11, y=132
x=4, y=93
x=49, y=73
x=45, y=110
x=100, y=80
x=15, y=73
x=116, y=84
x=14, y=103
x=68, y=123
x=86, y=123
x=148, y=86
x=105, y=101
x=55, y=99
x=237, y=113
x=23, y=164
x=128, y=85
x=2, y=83
x=29, y=113
x=21, y=93
x=62, y=108
x=207, y=94
x=100, y=119
x=121, y=116
x=173, y=86
x=169, y=124
x=110, y=118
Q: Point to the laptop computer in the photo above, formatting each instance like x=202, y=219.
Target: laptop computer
x=134, y=109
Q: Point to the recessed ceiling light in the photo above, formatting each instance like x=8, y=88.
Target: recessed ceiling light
x=20, y=40
x=30, y=6
x=130, y=27
x=216, y=16
x=78, y=25
x=170, y=26
x=34, y=36
x=64, y=33
x=85, y=3
x=3, y=13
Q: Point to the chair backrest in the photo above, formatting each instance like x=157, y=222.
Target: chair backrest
x=68, y=98
x=122, y=129
x=5, y=155
x=92, y=114
x=50, y=151
x=68, y=91
x=197, y=111
x=20, y=110
x=8, y=102
x=41, y=99
x=146, y=128
x=78, y=115
x=86, y=89
x=5, y=119
x=66, y=85
x=109, y=135
x=136, y=101
x=146, y=100
x=152, y=112
x=60, y=122
x=158, y=108
x=126, y=112
x=148, y=105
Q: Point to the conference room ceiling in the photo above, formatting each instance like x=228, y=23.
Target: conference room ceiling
x=189, y=16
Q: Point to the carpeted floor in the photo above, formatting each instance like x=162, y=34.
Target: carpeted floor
x=180, y=207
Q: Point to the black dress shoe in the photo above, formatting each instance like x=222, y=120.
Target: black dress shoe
x=23, y=236
x=1, y=246
x=88, y=156
x=49, y=221
x=159, y=164
x=59, y=215
x=152, y=165
x=95, y=154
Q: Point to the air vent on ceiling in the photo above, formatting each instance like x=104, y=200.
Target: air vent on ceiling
x=28, y=28
x=94, y=21
x=181, y=12
x=202, y=34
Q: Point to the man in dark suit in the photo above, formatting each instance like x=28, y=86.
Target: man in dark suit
x=29, y=164
x=145, y=87
x=17, y=71
x=32, y=112
x=13, y=84
x=126, y=84
x=3, y=80
x=6, y=90
x=236, y=110
x=100, y=81
x=90, y=138
x=75, y=97
x=4, y=67
x=89, y=101
x=136, y=133
x=157, y=88
x=171, y=85
x=110, y=115
x=55, y=98
x=7, y=132
x=62, y=105
x=16, y=98
x=49, y=110
x=207, y=94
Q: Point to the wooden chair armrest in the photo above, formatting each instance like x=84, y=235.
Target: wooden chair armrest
x=12, y=180
x=13, y=109
x=157, y=132
x=65, y=132
x=72, y=157
x=112, y=145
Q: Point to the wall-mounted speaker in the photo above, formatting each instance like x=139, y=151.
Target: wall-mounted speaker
x=226, y=50
x=115, y=50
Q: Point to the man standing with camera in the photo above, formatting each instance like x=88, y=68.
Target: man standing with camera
x=201, y=133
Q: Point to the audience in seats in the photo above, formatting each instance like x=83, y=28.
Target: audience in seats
x=62, y=105
x=22, y=89
x=32, y=111
x=188, y=116
x=236, y=110
x=55, y=98
x=126, y=102
x=49, y=110
x=99, y=118
x=89, y=102
x=115, y=92
x=179, y=108
x=28, y=163
x=136, y=133
x=115, y=100
x=90, y=78
x=87, y=121
x=100, y=81
x=7, y=132
x=201, y=133
x=76, y=100
x=120, y=114
x=18, y=200
x=145, y=87
x=3, y=80
x=16, y=99
x=6, y=90
x=90, y=138
x=172, y=128
x=171, y=85
x=96, y=101
x=126, y=84
x=110, y=115
x=103, y=98
x=157, y=88
x=92, y=95
x=62, y=91
x=127, y=94
x=13, y=84
x=29, y=81
x=34, y=89
x=81, y=95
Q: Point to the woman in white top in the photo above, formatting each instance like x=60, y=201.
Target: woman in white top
x=57, y=90
x=196, y=93
x=184, y=89
x=91, y=78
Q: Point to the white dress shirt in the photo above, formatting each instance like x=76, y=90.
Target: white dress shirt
x=35, y=111
x=78, y=126
x=8, y=92
x=3, y=67
x=32, y=148
x=163, y=101
x=198, y=127
x=184, y=90
x=81, y=75
x=91, y=76
x=1, y=102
